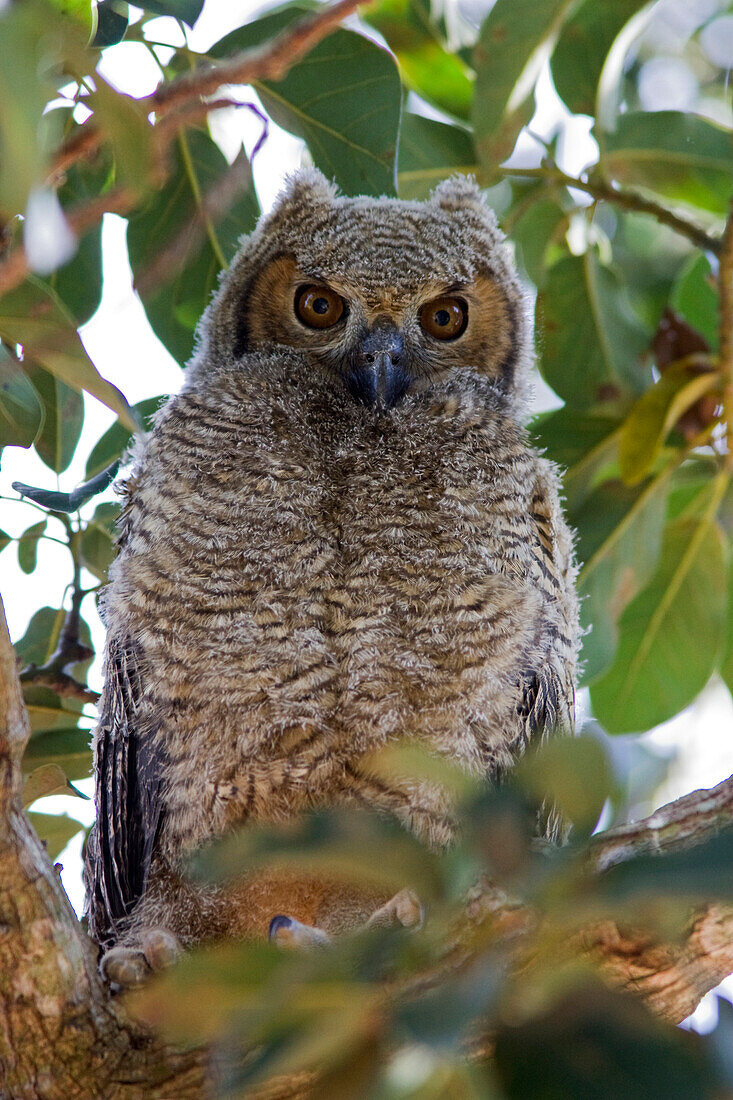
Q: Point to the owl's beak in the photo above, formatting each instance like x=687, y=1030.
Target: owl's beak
x=378, y=376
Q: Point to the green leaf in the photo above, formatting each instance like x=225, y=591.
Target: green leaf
x=21, y=412
x=582, y=48
x=56, y=830
x=655, y=414
x=68, y=748
x=69, y=502
x=187, y=10
x=620, y=539
x=704, y=870
x=586, y=444
x=695, y=297
x=5, y=540
x=45, y=780
x=171, y=219
x=113, y=17
x=591, y=340
x=98, y=540
x=32, y=315
x=426, y=64
x=726, y=664
x=41, y=636
x=48, y=711
x=28, y=546
x=516, y=40
x=111, y=445
x=534, y=232
x=572, y=773
x=428, y=152
x=670, y=635
x=124, y=122
x=682, y=157
x=344, y=99
x=64, y=416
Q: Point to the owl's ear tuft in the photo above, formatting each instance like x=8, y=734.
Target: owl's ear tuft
x=306, y=186
x=459, y=193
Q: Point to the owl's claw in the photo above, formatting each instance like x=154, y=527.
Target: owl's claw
x=130, y=966
x=288, y=932
x=403, y=909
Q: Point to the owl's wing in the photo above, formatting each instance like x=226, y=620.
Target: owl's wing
x=548, y=701
x=128, y=768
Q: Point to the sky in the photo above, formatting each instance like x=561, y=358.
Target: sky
x=125, y=350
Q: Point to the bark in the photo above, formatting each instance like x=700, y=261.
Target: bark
x=63, y=1037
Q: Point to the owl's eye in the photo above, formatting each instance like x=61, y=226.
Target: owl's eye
x=444, y=318
x=318, y=306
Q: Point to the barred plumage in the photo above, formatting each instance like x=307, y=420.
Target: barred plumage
x=303, y=578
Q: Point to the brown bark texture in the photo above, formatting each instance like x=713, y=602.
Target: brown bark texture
x=63, y=1037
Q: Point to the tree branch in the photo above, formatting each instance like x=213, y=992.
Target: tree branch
x=627, y=200
x=175, y=104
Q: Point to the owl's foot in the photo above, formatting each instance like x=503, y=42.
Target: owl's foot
x=403, y=909
x=130, y=966
x=288, y=932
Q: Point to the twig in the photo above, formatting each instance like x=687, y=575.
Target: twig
x=627, y=200
x=268, y=62
x=725, y=289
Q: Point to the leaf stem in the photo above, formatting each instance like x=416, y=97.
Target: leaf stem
x=627, y=200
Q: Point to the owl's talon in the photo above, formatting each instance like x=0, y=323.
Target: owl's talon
x=124, y=967
x=160, y=948
x=403, y=909
x=288, y=932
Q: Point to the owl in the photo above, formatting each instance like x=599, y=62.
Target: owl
x=337, y=536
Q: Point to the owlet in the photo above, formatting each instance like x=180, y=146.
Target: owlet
x=335, y=537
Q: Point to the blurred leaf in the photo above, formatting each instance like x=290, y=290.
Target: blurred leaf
x=124, y=122
x=63, y=418
x=620, y=541
x=21, y=412
x=111, y=445
x=695, y=297
x=344, y=99
x=445, y=1016
x=592, y=341
x=28, y=546
x=726, y=666
x=683, y=157
x=656, y=413
x=592, y=1044
x=33, y=316
x=41, y=636
x=5, y=540
x=187, y=10
x=515, y=41
x=98, y=540
x=670, y=635
x=428, y=152
x=69, y=502
x=70, y=749
x=113, y=17
x=45, y=780
x=572, y=773
x=25, y=88
x=56, y=830
x=175, y=299
x=543, y=223
x=427, y=66
x=582, y=48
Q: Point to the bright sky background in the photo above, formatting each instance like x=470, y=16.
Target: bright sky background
x=125, y=351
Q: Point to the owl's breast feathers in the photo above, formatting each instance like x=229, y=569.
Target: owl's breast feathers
x=302, y=581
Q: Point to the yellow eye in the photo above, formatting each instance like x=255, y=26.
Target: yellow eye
x=444, y=318
x=318, y=306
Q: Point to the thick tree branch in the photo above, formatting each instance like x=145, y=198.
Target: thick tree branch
x=627, y=200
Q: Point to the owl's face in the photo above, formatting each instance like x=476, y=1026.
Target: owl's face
x=379, y=341
x=382, y=297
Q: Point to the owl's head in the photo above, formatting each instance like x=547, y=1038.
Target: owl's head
x=382, y=295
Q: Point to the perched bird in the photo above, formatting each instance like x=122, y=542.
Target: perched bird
x=336, y=536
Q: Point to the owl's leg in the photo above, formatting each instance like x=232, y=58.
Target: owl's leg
x=129, y=966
